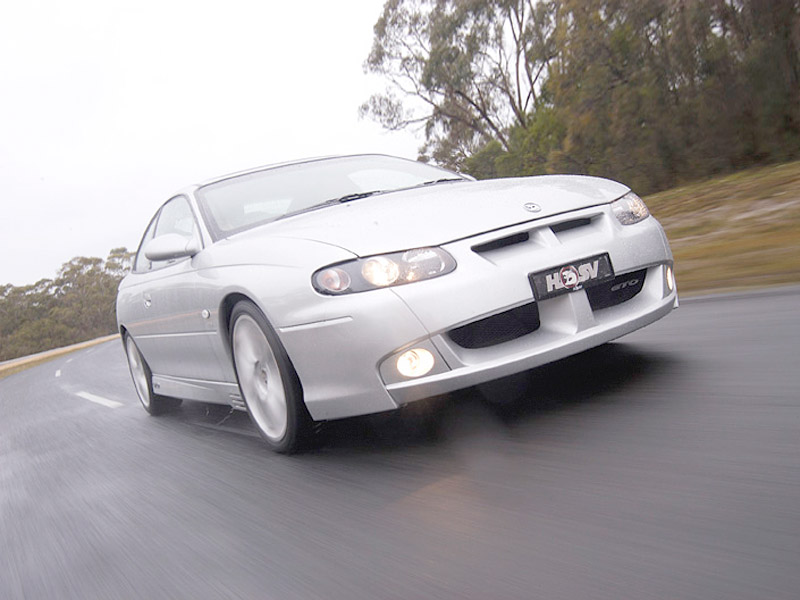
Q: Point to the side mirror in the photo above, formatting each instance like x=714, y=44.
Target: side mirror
x=171, y=246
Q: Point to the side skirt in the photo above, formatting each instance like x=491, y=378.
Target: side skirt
x=213, y=392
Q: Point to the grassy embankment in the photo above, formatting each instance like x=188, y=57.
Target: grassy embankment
x=734, y=232
x=15, y=366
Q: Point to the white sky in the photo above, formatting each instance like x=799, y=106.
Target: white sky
x=107, y=107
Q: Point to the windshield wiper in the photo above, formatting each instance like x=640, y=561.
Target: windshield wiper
x=356, y=196
x=332, y=201
x=444, y=180
x=360, y=195
x=300, y=211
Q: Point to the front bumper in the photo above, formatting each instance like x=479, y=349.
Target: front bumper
x=345, y=361
x=568, y=326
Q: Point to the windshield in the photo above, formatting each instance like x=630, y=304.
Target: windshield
x=244, y=201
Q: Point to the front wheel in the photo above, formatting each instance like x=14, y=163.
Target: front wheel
x=143, y=381
x=267, y=381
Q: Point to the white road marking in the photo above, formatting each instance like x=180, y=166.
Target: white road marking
x=99, y=400
x=58, y=373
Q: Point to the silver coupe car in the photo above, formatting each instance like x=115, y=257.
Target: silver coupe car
x=335, y=287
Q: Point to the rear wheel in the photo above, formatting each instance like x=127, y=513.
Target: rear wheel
x=143, y=381
x=267, y=381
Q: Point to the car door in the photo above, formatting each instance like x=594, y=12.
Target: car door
x=173, y=303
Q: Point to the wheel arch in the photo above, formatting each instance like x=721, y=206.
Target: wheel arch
x=225, y=312
x=123, y=333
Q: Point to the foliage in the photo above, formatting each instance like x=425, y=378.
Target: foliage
x=471, y=67
x=78, y=305
x=650, y=92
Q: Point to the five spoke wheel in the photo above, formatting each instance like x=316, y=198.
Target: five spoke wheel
x=267, y=380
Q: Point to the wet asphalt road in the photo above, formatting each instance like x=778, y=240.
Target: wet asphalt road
x=665, y=465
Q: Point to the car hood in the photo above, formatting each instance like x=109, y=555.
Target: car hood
x=442, y=213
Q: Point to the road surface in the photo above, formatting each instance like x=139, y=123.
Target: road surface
x=665, y=465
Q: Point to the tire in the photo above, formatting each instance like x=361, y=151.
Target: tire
x=143, y=381
x=267, y=381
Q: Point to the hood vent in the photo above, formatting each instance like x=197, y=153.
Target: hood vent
x=567, y=225
x=517, y=238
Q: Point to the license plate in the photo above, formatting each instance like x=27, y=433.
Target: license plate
x=577, y=275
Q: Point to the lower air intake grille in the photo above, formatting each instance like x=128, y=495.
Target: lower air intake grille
x=621, y=289
x=499, y=328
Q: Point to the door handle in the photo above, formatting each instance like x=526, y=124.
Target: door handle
x=148, y=300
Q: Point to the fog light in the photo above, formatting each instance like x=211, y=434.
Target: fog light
x=415, y=363
x=670, y=279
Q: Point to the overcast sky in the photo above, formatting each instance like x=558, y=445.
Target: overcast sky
x=108, y=107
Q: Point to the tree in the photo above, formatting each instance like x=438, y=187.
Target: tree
x=528, y=150
x=463, y=70
x=78, y=305
x=608, y=92
x=651, y=92
x=656, y=91
x=118, y=263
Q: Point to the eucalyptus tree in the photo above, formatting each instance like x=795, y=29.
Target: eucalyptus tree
x=464, y=71
x=77, y=305
x=651, y=92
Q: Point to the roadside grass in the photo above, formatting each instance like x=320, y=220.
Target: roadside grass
x=17, y=367
x=20, y=364
x=734, y=232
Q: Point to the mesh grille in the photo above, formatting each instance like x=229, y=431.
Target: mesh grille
x=499, y=328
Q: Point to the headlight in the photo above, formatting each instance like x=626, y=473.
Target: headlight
x=382, y=271
x=630, y=209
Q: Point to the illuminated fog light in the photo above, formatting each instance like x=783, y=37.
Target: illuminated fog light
x=415, y=363
x=670, y=279
x=380, y=271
